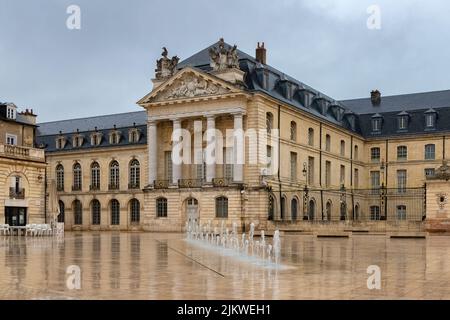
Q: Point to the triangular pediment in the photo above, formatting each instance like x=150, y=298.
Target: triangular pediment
x=189, y=83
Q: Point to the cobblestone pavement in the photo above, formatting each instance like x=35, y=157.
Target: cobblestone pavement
x=164, y=266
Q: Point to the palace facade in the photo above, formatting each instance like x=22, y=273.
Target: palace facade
x=356, y=163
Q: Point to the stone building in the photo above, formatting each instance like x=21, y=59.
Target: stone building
x=22, y=168
x=358, y=163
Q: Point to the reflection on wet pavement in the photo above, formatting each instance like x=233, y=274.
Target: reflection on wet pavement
x=164, y=266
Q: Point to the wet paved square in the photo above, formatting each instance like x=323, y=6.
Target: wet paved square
x=165, y=266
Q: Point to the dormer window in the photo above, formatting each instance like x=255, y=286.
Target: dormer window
x=402, y=121
x=376, y=123
x=60, y=142
x=11, y=112
x=77, y=141
x=96, y=138
x=134, y=135
x=430, y=119
x=114, y=137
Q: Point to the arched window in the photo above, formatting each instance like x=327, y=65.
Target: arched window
x=343, y=211
x=161, y=207
x=135, y=172
x=77, y=213
x=95, y=176
x=60, y=177
x=114, y=178
x=328, y=143
x=77, y=180
x=95, y=210
x=135, y=211
x=343, y=148
x=283, y=208
x=271, y=208
x=61, y=211
x=356, y=153
x=293, y=131
x=115, y=212
x=328, y=210
x=222, y=207
x=294, y=209
x=311, y=137
x=269, y=122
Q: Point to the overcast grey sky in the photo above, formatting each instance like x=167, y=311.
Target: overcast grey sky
x=106, y=66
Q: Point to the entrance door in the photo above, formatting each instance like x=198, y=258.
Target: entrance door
x=192, y=211
x=15, y=216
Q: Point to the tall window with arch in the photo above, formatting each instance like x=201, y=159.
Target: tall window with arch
x=328, y=143
x=115, y=212
x=95, y=176
x=293, y=131
x=114, y=175
x=311, y=137
x=269, y=122
x=356, y=153
x=77, y=212
x=61, y=211
x=271, y=208
x=60, y=177
x=77, y=177
x=161, y=207
x=294, y=209
x=135, y=211
x=95, y=212
x=135, y=173
x=342, y=148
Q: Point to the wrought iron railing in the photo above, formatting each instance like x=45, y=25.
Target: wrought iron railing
x=76, y=187
x=134, y=186
x=161, y=184
x=94, y=187
x=190, y=183
x=221, y=182
x=113, y=186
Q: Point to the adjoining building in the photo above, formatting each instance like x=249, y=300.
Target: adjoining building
x=356, y=164
x=22, y=168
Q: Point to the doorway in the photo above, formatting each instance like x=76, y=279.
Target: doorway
x=16, y=216
x=192, y=211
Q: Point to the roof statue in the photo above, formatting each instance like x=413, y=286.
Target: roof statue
x=442, y=173
x=222, y=58
x=165, y=67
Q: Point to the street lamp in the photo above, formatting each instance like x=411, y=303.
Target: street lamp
x=305, y=193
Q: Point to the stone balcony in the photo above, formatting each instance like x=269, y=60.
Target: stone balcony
x=22, y=153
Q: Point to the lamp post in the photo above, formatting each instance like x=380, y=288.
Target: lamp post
x=383, y=191
x=305, y=193
x=343, y=199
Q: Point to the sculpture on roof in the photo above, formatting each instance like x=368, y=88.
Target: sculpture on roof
x=222, y=58
x=165, y=66
x=442, y=173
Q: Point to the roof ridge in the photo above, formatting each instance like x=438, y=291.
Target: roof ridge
x=400, y=94
x=91, y=117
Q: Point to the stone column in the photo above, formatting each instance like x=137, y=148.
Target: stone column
x=238, y=149
x=152, y=144
x=176, y=136
x=211, y=142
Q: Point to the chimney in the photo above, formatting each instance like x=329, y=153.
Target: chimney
x=261, y=53
x=375, y=97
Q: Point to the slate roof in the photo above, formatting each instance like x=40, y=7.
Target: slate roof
x=404, y=102
x=355, y=115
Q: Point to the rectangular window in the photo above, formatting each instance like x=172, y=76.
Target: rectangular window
x=375, y=179
x=168, y=165
x=356, y=179
x=327, y=173
x=430, y=152
x=429, y=172
x=310, y=170
x=401, y=181
x=293, y=166
x=228, y=165
x=376, y=125
x=342, y=175
x=375, y=213
x=402, y=123
x=429, y=120
x=375, y=154
x=11, y=139
x=401, y=212
x=269, y=156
